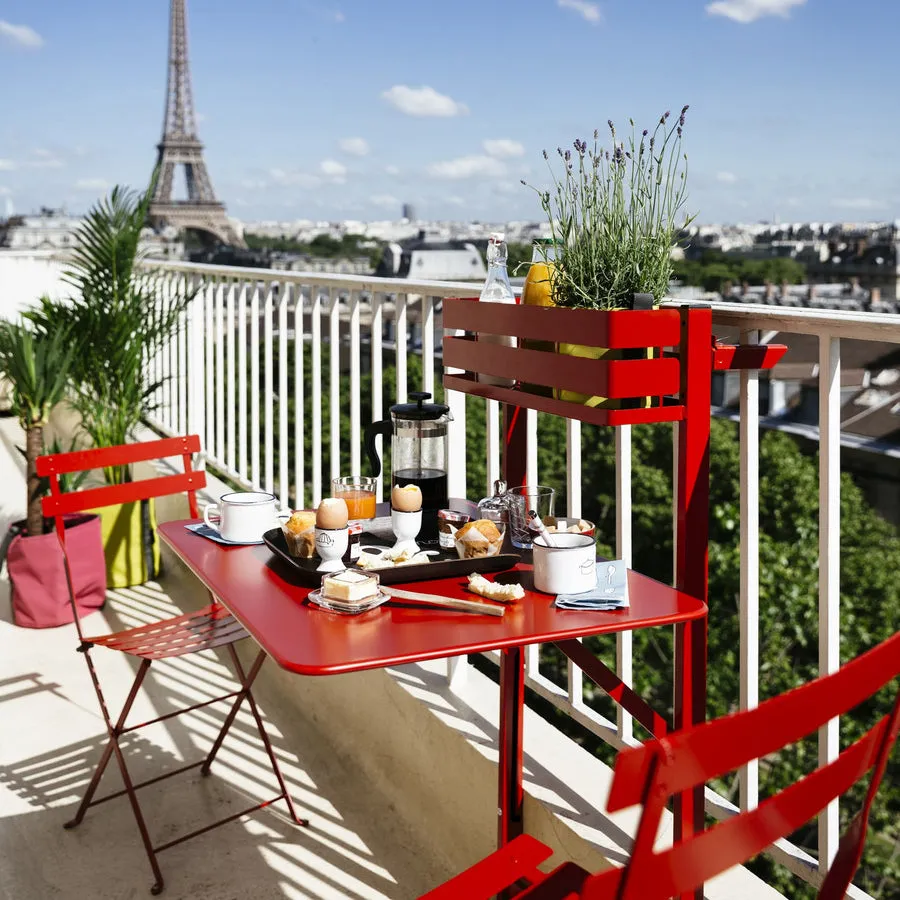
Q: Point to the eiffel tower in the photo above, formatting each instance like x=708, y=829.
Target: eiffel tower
x=180, y=146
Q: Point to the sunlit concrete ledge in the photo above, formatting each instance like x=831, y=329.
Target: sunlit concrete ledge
x=396, y=771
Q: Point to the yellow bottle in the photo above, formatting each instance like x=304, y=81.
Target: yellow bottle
x=536, y=291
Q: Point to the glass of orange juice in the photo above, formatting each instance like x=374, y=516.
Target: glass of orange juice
x=358, y=492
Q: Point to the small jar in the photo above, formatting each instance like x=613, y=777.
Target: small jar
x=449, y=520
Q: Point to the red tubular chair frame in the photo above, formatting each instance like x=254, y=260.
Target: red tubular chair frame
x=659, y=770
x=207, y=628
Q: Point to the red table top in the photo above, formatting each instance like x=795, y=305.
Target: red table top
x=255, y=586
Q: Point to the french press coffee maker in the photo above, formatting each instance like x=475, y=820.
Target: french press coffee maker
x=419, y=444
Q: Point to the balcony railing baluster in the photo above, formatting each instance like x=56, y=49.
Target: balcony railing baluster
x=209, y=301
x=269, y=389
x=334, y=359
x=316, y=400
x=624, y=661
x=284, y=299
x=400, y=338
x=355, y=386
x=230, y=381
x=829, y=565
x=749, y=589
x=255, y=476
x=299, y=394
x=376, y=348
x=219, y=452
x=492, y=443
x=242, y=381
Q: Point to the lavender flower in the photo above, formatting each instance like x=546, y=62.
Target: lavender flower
x=644, y=133
x=546, y=155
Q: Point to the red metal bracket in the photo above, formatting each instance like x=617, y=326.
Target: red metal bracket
x=606, y=679
x=745, y=356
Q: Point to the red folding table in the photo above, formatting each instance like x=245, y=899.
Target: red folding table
x=264, y=594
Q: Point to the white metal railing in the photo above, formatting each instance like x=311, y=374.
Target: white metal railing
x=220, y=380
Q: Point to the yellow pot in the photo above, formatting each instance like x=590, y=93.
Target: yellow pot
x=130, y=544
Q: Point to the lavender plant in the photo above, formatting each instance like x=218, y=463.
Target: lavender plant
x=614, y=216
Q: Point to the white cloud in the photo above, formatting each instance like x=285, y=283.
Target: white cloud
x=859, y=203
x=468, y=167
x=21, y=35
x=355, y=146
x=4, y=191
x=92, y=184
x=746, y=11
x=455, y=200
x=254, y=184
x=339, y=17
x=392, y=170
x=7, y=165
x=423, y=101
x=726, y=177
x=333, y=170
x=590, y=12
x=287, y=178
x=503, y=148
x=384, y=200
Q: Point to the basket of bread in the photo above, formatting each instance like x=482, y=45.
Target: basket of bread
x=478, y=539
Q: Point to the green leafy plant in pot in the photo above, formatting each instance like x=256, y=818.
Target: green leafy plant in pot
x=120, y=321
x=615, y=214
x=38, y=365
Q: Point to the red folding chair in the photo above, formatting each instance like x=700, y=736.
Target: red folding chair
x=209, y=627
x=660, y=769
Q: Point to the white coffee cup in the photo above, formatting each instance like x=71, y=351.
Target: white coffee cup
x=570, y=567
x=242, y=516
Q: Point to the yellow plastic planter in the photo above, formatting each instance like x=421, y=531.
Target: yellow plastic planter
x=130, y=544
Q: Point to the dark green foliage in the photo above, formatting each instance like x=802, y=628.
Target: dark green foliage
x=714, y=268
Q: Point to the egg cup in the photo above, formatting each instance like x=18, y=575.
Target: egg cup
x=406, y=527
x=331, y=545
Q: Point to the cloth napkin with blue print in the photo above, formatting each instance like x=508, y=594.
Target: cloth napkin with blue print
x=610, y=593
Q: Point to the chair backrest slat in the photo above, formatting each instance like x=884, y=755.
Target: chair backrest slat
x=58, y=504
x=664, y=768
x=131, y=491
x=106, y=457
x=693, y=756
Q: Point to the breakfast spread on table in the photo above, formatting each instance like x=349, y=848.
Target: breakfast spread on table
x=344, y=545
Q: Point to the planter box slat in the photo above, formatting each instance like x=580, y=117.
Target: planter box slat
x=467, y=384
x=619, y=329
x=608, y=378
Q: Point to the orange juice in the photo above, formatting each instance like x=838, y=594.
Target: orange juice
x=536, y=291
x=360, y=504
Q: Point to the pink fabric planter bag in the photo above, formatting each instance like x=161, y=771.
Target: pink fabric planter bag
x=37, y=574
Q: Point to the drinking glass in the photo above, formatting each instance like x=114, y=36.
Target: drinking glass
x=519, y=501
x=358, y=492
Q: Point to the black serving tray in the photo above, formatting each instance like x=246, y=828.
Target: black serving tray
x=447, y=565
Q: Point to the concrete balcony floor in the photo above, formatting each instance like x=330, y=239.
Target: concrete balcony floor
x=51, y=735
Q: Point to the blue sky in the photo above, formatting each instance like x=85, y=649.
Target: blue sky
x=346, y=108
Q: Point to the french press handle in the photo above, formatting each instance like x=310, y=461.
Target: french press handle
x=385, y=428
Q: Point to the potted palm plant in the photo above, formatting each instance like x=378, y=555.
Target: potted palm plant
x=38, y=365
x=615, y=215
x=119, y=323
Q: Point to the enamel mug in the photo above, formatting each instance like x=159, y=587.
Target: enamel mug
x=568, y=568
x=243, y=516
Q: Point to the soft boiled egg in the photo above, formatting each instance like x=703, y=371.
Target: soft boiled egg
x=407, y=498
x=332, y=514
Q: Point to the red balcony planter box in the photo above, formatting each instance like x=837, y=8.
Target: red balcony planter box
x=643, y=389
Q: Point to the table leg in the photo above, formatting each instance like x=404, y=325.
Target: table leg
x=512, y=709
x=690, y=709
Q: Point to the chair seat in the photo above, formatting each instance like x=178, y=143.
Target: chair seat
x=211, y=626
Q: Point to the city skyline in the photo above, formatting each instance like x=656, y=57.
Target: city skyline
x=336, y=110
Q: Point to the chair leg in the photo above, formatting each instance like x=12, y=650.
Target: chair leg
x=246, y=692
x=111, y=748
